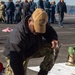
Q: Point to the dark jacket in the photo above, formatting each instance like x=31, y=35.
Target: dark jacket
x=18, y=7
x=23, y=41
x=61, y=7
x=47, y=4
x=40, y=4
x=26, y=8
x=10, y=8
x=53, y=8
x=32, y=6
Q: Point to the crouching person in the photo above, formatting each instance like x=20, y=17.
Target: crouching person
x=33, y=36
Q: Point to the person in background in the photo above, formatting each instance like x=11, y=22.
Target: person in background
x=2, y=12
x=10, y=8
x=40, y=4
x=25, y=8
x=30, y=38
x=18, y=12
x=47, y=8
x=32, y=6
x=61, y=9
x=53, y=6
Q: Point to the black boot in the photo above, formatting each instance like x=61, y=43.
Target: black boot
x=42, y=72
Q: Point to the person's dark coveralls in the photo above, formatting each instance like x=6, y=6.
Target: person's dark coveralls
x=53, y=6
x=17, y=13
x=26, y=8
x=10, y=8
x=47, y=8
x=24, y=42
x=61, y=9
x=32, y=6
x=40, y=4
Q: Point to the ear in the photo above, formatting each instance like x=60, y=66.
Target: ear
x=29, y=20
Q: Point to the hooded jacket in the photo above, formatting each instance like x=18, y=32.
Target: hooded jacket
x=26, y=43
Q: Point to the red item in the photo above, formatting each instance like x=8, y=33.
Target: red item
x=7, y=29
x=1, y=67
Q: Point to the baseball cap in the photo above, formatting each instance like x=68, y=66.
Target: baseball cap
x=40, y=18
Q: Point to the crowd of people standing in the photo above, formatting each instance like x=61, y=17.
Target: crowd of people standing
x=11, y=12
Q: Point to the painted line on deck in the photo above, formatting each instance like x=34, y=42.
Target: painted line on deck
x=1, y=51
x=66, y=32
x=57, y=27
x=72, y=28
x=4, y=36
x=68, y=44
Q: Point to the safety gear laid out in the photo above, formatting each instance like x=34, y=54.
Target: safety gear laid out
x=71, y=56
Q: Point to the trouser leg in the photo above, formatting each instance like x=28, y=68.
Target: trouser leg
x=16, y=63
x=48, y=62
x=60, y=20
x=25, y=63
x=7, y=19
x=52, y=18
x=3, y=18
x=11, y=19
x=8, y=70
